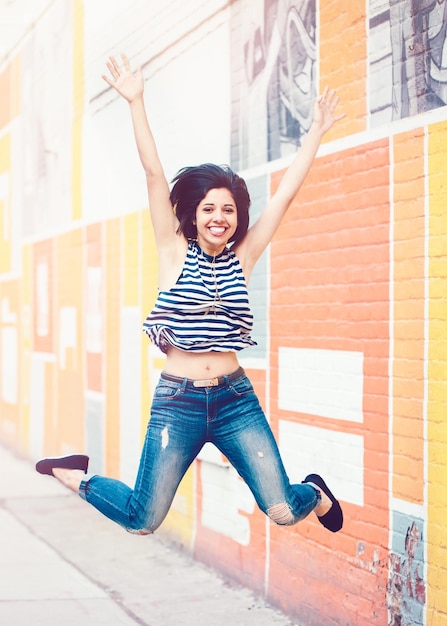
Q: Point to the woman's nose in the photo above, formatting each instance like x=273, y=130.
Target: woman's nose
x=218, y=215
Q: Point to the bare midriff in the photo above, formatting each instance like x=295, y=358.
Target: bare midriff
x=200, y=365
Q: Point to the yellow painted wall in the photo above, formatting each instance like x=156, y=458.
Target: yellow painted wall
x=437, y=380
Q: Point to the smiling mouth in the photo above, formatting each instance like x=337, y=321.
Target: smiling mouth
x=214, y=230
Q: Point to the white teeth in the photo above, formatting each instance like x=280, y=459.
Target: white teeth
x=217, y=231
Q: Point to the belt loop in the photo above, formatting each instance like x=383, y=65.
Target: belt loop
x=184, y=384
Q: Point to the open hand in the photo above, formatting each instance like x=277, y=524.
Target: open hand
x=324, y=110
x=128, y=84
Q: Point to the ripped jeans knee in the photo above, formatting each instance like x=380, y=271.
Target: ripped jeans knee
x=281, y=514
x=141, y=531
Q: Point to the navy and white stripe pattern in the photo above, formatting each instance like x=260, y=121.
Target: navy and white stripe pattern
x=207, y=309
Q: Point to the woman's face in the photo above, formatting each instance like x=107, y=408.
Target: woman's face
x=216, y=220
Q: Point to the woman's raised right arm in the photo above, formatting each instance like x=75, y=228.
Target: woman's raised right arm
x=130, y=85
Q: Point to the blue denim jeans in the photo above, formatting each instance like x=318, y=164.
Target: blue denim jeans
x=183, y=419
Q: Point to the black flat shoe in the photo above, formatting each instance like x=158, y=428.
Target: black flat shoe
x=333, y=519
x=72, y=461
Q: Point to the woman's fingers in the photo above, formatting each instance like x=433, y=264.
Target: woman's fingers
x=113, y=68
x=126, y=63
x=107, y=79
x=329, y=99
x=339, y=117
x=333, y=102
x=327, y=103
x=329, y=96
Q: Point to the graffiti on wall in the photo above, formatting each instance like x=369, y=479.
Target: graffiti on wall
x=406, y=587
x=276, y=86
x=408, y=60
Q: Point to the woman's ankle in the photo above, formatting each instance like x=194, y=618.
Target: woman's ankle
x=69, y=478
x=325, y=503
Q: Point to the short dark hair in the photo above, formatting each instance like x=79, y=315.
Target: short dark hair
x=191, y=184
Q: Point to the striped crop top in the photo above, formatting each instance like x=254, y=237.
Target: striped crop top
x=207, y=310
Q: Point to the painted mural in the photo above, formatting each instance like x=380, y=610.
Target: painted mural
x=350, y=300
x=408, y=54
x=276, y=85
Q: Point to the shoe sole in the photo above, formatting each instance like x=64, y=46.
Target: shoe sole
x=71, y=461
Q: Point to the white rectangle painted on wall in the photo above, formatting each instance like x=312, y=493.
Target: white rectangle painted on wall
x=327, y=383
x=337, y=456
x=68, y=334
x=93, y=317
x=226, y=498
x=37, y=402
x=9, y=360
x=42, y=304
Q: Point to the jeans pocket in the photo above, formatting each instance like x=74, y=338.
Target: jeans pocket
x=241, y=386
x=166, y=390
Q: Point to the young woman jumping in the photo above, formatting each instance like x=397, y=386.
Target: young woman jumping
x=201, y=320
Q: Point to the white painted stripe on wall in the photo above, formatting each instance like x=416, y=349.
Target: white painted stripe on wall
x=337, y=456
x=391, y=351
x=426, y=342
x=10, y=365
x=410, y=509
x=37, y=404
x=328, y=383
x=130, y=393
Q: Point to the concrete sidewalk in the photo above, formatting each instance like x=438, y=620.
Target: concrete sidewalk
x=61, y=562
